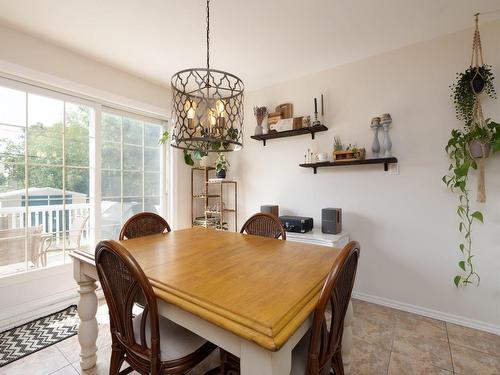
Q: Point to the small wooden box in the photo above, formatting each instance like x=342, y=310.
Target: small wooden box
x=297, y=122
x=349, y=155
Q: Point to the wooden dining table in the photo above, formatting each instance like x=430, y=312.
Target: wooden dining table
x=252, y=296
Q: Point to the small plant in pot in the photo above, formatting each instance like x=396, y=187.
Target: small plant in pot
x=468, y=148
x=481, y=139
x=475, y=80
x=221, y=165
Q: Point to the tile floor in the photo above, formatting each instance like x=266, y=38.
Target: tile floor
x=386, y=341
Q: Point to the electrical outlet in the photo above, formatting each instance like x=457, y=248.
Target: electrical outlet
x=394, y=169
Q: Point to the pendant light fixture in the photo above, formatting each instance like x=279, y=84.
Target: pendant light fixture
x=207, y=108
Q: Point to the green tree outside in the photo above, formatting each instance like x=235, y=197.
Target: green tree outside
x=45, y=154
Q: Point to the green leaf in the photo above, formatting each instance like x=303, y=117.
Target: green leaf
x=478, y=216
x=461, y=211
x=462, y=170
x=456, y=280
x=460, y=227
x=462, y=247
x=164, y=138
x=496, y=145
x=197, y=155
x=461, y=264
x=187, y=158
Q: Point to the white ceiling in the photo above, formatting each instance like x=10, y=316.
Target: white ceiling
x=261, y=41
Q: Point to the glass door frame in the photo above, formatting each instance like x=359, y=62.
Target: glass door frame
x=95, y=123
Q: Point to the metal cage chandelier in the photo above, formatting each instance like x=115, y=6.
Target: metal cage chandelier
x=207, y=108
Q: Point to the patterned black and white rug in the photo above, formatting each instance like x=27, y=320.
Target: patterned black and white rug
x=31, y=337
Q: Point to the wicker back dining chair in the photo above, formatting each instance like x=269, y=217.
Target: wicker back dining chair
x=319, y=351
x=143, y=224
x=324, y=354
x=265, y=225
x=149, y=343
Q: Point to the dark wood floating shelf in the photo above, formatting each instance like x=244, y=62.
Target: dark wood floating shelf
x=384, y=161
x=290, y=133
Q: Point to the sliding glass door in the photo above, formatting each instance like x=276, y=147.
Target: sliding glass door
x=131, y=169
x=44, y=189
x=61, y=187
x=14, y=247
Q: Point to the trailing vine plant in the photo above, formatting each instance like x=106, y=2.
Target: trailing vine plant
x=476, y=79
x=189, y=156
x=457, y=180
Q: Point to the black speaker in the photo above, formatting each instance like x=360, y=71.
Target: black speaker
x=331, y=220
x=270, y=209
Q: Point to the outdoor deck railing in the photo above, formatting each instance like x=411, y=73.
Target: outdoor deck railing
x=54, y=219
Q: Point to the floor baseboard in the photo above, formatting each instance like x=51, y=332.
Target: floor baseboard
x=32, y=310
x=450, y=318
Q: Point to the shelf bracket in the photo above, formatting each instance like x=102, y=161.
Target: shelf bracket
x=312, y=135
x=264, y=142
x=315, y=170
x=386, y=167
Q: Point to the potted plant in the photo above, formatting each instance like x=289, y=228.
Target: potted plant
x=337, y=144
x=463, y=158
x=221, y=165
x=189, y=156
x=469, y=148
x=465, y=91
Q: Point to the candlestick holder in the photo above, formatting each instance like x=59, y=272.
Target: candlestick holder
x=386, y=122
x=375, y=125
x=322, y=110
x=316, y=121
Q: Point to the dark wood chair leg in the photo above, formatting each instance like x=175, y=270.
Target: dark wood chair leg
x=230, y=364
x=117, y=357
x=214, y=371
x=337, y=363
x=222, y=361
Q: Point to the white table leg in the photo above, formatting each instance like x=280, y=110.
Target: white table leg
x=347, y=339
x=87, y=309
x=256, y=360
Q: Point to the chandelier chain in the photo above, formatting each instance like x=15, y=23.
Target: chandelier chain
x=208, y=34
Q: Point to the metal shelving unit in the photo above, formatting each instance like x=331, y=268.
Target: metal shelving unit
x=212, y=219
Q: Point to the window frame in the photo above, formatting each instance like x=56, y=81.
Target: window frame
x=95, y=143
x=164, y=160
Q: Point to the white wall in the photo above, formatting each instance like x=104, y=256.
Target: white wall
x=406, y=224
x=22, y=54
x=40, y=292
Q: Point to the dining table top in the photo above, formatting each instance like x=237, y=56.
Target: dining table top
x=258, y=288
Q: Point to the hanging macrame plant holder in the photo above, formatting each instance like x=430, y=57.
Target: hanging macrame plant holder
x=479, y=149
x=477, y=83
